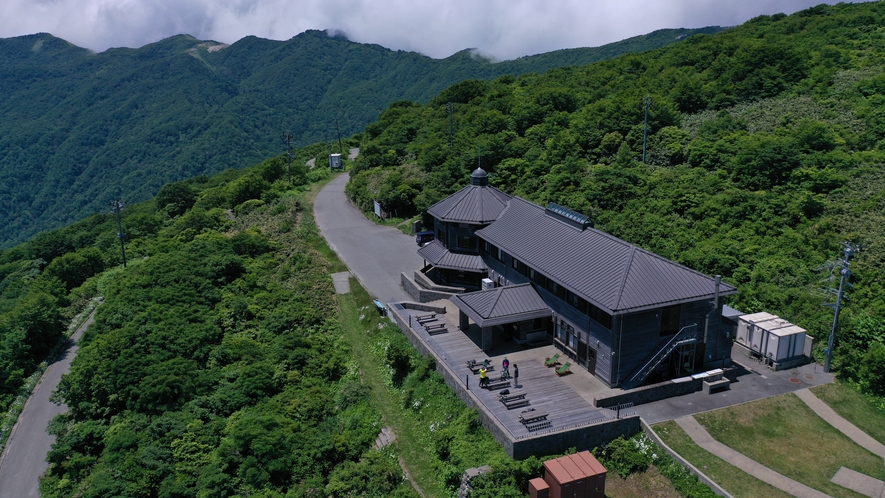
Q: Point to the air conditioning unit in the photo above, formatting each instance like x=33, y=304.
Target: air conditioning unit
x=487, y=284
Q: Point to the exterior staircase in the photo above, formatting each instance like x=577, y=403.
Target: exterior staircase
x=686, y=335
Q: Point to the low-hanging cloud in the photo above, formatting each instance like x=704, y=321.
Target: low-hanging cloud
x=504, y=29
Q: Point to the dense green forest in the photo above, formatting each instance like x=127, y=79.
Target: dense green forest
x=79, y=129
x=764, y=154
x=215, y=366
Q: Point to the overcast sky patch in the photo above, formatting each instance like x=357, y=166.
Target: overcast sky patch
x=504, y=29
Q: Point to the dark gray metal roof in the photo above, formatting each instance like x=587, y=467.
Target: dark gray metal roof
x=436, y=254
x=608, y=272
x=474, y=204
x=502, y=305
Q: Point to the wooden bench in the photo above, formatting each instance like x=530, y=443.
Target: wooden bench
x=425, y=318
x=494, y=385
x=537, y=426
x=532, y=416
x=435, y=327
x=438, y=330
x=475, y=368
x=512, y=401
x=510, y=397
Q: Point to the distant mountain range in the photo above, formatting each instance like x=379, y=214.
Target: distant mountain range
x=78, y=129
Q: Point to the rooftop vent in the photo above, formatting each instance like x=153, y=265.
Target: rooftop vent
x=572, y=218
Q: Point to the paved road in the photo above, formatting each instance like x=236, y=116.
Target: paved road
x=24, y=459
x=375, y=254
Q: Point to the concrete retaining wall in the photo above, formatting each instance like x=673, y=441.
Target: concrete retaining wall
x=419, y=293
x=647, y=394
x=423, y=307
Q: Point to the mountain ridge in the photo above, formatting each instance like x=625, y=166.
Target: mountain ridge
x=81, y=128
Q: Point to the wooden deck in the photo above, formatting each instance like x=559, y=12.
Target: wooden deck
x=567, y=399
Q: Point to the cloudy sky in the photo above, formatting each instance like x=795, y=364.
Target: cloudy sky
x=504, y=29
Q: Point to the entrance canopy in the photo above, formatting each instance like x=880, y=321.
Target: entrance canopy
x=509, y=304
x=436, y=254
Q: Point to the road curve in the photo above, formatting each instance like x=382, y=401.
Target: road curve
x=375, y=254
x=24, y=459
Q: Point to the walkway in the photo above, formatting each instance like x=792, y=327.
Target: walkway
x=845, y=477
x=845, y=427
x=703, y=439
x=375, y=254
x=24, y=459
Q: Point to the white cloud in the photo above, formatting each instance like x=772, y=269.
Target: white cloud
x=502, y=28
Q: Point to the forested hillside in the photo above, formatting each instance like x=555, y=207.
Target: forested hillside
x=78, y=129
x=763, y=156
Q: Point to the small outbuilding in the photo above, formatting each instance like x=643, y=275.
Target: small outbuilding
x=579, y=475
x=773, y=340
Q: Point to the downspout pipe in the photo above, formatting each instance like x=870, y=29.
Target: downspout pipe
x=718, y=280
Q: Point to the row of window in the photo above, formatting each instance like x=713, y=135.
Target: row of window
x=561, y=292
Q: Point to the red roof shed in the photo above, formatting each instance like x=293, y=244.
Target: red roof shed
x=579, y=476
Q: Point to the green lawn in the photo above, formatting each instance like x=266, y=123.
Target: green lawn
x=854, y=407
x=786, y=436
x=732, y=479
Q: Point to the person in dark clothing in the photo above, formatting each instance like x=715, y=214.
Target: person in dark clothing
x=515, y=375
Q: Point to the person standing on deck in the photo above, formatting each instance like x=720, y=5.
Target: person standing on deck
x=505, y=367
x=515, y=375
x=482, y=377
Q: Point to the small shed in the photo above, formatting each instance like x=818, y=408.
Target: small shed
x=773, y=340
x=538, y=488
x=747, y=323
x=335, y=161
x=579, y=476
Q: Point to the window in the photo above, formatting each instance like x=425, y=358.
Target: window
x=670, y=320
x=466, y=242
x=441, y=236
x=600, y=316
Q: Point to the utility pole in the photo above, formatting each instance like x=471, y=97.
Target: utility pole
x=451, y=126
x=340, y=149
x=288, y=138
x=843, y=265
x=117, y=206
x=647, y=101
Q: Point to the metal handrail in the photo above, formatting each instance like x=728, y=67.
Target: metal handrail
x=657, y=357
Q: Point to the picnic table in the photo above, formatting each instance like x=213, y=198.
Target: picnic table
x=512, y=401
x=532, y=416
x=425, y=318
x=492, y=385
x=474, y=367
x=511, y=397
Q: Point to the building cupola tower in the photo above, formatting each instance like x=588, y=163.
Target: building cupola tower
x=479, y=178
